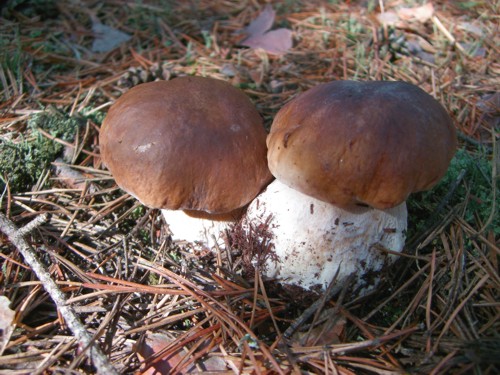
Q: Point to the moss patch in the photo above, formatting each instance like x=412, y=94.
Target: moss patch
x=23, y=161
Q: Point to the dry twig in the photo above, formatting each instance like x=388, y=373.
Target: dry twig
x=86, y=341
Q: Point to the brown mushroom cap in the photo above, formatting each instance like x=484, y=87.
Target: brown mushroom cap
x=349, y=142
x=191, y=143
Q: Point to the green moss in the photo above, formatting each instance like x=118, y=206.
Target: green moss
x=30, y=8
x=57, y=124
x=476, y=194
x=12, y=60
x=94, y=116
x=22, y=162
x=478, y=186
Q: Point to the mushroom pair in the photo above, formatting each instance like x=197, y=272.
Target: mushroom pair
x=346, y=155
x=193, y=147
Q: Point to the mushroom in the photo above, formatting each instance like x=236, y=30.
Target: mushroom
x=346, y=155
x=193, y=147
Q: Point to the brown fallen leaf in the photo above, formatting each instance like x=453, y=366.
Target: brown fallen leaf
x=420, y=14
x=156, y=341
x=274, y=42
x=402, y=16
x=106, y=38
x=325, y=334
x=472, y=28
x=6, y=322
x=388, y=18
x=489, y=105
x=70, y=177
x=262, y=23
x=153, y=343
x=330, y=332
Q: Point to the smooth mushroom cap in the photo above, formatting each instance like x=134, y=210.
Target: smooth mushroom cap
x=374, y=143
x=191, y=143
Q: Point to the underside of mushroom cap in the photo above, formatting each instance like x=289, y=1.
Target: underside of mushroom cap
x=349, y=142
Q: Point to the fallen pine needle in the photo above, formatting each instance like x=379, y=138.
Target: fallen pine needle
x=16, y=236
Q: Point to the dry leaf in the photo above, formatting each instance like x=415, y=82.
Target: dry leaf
x=398, y=18
x=156, y=341
x=388, y=18
x=324, y=334
x=420, y=14
x=471, y=28
x=275, y=42
x=6, y=318
x=107, y=38
x=262, y=23
x=71, y=178
x=489, y=104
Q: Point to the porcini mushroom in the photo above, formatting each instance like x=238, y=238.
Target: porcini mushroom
x=193, y=147
x=346, y=155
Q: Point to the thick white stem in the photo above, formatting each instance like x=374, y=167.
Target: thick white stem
x=203, y=233
x=313, y=239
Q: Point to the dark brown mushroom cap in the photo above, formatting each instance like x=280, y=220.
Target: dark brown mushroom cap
x=349, y=142
x=191, y=143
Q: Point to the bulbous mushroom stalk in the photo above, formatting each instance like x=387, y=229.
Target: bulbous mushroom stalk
x=335, y=148
x=192, y=144
x=200, y=229
x=313, y=239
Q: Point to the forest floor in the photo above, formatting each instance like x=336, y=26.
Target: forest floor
x=150, y=304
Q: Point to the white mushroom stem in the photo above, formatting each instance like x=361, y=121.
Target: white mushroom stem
x=200, y=232
x=313, y=239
